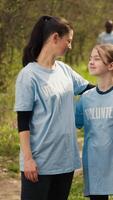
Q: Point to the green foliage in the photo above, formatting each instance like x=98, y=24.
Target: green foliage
x=83, y=71
x=9, y=165
x=9, y=145
x=18, y=17
x=77, y=187
x=13, y=167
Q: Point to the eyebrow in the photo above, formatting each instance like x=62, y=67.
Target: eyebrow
x=96, y=56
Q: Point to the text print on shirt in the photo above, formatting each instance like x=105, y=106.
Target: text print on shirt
x=99, y=113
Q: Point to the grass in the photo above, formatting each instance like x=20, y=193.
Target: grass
x=77, y=187
x=9, y=144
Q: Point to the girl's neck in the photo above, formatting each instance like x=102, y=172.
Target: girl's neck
x=105, y=84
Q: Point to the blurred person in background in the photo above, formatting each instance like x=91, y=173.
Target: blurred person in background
x=107, y=35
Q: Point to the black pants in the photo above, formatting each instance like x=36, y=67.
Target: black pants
x=99, y=197
x=49, y=187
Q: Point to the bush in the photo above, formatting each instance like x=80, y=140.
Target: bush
x=9, y=145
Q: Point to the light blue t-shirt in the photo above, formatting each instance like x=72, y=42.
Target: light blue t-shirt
x=104, y=38
x=94, y=111
x=49, y=93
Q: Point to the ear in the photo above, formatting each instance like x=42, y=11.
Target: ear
x=110, y=67
x=55, y=37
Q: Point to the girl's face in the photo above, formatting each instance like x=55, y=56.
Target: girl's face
x=64, y=43
x=96, y=66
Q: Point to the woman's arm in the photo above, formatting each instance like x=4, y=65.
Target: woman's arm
x=89, y=86
x=30, y=167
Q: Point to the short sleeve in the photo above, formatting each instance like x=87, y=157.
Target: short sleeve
x=79, y=118
x=79, y=82
x=24, y=92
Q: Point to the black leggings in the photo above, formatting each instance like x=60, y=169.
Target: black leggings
x=49, y=187
x=99, y=197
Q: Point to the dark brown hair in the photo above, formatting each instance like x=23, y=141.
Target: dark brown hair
x=45, y=26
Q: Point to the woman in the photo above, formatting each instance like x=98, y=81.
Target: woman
x=44, y=103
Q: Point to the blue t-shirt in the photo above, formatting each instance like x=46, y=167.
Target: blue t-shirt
x=49, y=93
x=104, y=38
x=94, y=111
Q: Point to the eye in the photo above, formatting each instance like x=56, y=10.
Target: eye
x=94, y=59
x=90, y=59
x=69, y=40
x=97, y=59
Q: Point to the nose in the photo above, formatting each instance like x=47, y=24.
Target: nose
x=70, y=46
x=91, y=62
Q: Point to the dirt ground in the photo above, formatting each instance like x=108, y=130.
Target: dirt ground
x=9, y=187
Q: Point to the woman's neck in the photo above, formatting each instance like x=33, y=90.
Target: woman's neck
x=46, y=59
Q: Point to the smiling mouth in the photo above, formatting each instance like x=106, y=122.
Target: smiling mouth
x=92, y=68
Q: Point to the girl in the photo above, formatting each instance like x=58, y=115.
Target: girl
x=44, y=103
x=95, y=113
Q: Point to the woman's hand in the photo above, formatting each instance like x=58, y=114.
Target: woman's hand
x=31, y=170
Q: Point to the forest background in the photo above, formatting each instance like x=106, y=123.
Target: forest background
x=17, y=17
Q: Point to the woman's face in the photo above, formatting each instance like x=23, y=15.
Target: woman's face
x=64, y=43
x=96, y=66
